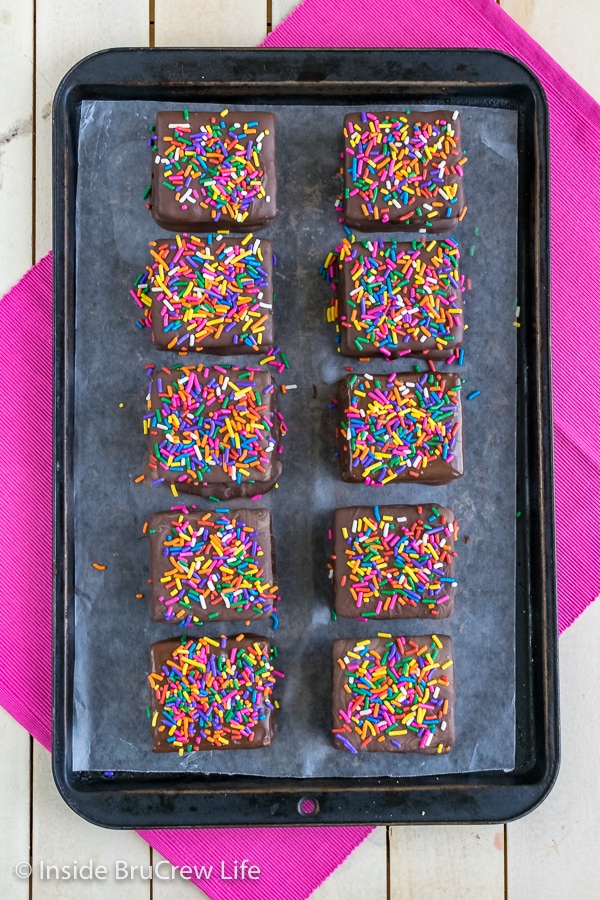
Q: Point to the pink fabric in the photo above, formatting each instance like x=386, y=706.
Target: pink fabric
x=295, y=861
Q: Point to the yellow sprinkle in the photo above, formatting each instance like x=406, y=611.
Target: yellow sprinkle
x=447, y=664
x=174, y=491
x=121, y=405
x=517, y=324
x=436, y=640
x=383, y=634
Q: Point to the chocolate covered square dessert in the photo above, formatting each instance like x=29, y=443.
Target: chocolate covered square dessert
x=200, y=698
x=399, y=299
x=211, y=566
x=393, y=694
x=214, y=432
x=212, y=294
x=394, y=562
x=400, y=427
x=214, y=170
x=403, y=171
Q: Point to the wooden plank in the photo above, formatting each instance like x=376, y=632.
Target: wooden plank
x=177, y=888
x=568, y=33
x=66, y=31
x=15, y=749
x=62, y=838
x=362, y=875
x=217, y=23
x=461, y=861
x=16, y=141
x=281, y=9
x=553, y=851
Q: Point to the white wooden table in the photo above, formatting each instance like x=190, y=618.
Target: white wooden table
x=552, y=853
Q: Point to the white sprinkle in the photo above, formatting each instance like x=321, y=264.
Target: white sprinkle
x=517, y=312
x=157, y=159
x=443, y=725
x=185, y=125
x=268, y=199
x=202, y=601
x=290, y=387
x=266, y=305
x=400, y=518
x=455, y=115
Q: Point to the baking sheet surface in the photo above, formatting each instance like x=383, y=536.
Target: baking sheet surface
x=113, y=630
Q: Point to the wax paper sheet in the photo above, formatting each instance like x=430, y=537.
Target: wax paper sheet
x=113, y=630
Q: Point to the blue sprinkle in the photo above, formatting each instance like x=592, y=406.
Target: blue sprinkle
x=473, y=394
x=275, y=621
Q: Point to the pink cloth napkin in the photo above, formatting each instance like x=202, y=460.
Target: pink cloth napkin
x=295, y=861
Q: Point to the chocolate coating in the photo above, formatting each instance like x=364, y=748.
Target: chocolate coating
x=394, y=562
x=161, y=653
x=443, y=222
x=231, y=339
x=398, y=311
x=396, y=435
x=170, y=213
x=161, y=529
x=409, y=742
x=212, y=480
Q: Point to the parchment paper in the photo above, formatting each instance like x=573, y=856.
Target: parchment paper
x=113, y=630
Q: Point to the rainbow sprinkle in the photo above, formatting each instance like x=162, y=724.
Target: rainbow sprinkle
x=393, y=427
x=405, y=169
x=206, y=293
x=212, y=694
x=396, y=694
x=216, y=163
x=396, y=299
x=212, y=425
x=211, y=562
x=396, y=559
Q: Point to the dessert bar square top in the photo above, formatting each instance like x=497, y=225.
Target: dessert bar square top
x=214, y=170
x=207, y=566
x=394, y=562
x=214, y=431
x=400, y=299
x=400, y=427
x=393, y=694
x=200, y=699
x=213, y=293
x=403, y=171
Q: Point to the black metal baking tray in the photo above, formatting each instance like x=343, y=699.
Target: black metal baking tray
x=262, y=77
